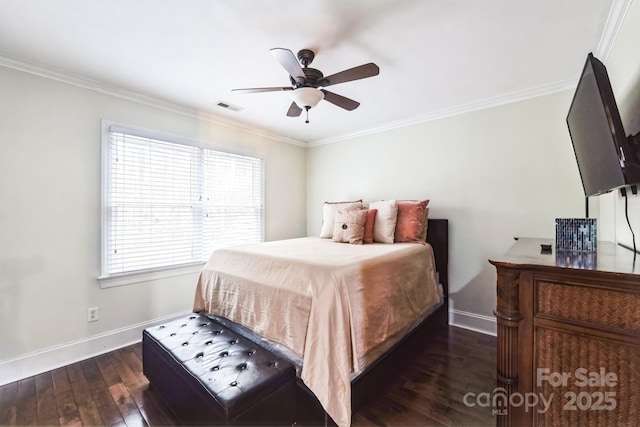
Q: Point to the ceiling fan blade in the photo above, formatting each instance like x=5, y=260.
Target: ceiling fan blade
x=262, y=89
x=289, y=62
x=355, y=73
x=294, y=110
x=340, y=101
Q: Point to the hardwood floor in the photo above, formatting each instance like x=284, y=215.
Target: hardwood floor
x=430, y=391
x=111, y=390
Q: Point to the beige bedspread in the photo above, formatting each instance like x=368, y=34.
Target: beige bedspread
x=331, y=303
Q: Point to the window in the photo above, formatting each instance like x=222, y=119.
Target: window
x=167, y=204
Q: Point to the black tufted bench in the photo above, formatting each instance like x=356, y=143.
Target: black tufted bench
x=211, y=375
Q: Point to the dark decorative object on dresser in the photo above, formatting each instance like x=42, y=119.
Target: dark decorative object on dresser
x=568, y=335
x=576, y=234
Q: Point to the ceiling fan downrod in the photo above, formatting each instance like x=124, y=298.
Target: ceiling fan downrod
x=305, y=56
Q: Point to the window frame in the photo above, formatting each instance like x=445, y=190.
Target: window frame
x=118, y=279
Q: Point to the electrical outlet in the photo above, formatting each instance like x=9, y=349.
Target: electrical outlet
x=92, y=314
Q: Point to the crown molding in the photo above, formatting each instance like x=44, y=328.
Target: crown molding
x=617, y=14
x=101, y=87
x=455, y=111
x=615, y=19
x=129, y=95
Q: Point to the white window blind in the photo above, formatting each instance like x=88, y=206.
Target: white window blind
x=169, y=204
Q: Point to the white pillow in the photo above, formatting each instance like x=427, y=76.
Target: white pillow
x=384, y=227
x=329, y=210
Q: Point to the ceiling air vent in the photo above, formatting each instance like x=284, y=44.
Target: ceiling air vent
x=228, y=106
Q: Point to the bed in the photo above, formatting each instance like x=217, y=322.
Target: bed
x=326, y=307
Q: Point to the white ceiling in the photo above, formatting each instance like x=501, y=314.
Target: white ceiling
x=436, y=57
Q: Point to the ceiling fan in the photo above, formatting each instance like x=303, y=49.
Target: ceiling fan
x=307, y=83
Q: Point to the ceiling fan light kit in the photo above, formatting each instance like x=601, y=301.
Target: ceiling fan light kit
x=306, y=82
x=307, y=97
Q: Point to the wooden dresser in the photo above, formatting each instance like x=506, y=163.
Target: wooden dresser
x=568, y=336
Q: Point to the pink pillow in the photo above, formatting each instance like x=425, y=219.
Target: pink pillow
x=412, y=217
x=368, y=225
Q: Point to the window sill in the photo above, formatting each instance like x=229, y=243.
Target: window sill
x=148, y=275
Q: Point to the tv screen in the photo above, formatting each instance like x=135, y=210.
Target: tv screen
x=597, y=134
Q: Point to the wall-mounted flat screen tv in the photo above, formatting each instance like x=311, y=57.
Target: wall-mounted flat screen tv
x=601, y=147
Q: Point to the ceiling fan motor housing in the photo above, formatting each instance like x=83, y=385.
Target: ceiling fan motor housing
x=312, y=78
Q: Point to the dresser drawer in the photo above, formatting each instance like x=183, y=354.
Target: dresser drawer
x=602, y=307
x=584, y=398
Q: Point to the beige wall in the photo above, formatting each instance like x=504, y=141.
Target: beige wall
x=50, y=211
x=495, y=174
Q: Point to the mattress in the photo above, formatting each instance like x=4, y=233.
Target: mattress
x=335, y=306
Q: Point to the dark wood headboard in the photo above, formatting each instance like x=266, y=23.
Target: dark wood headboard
x=438, y=238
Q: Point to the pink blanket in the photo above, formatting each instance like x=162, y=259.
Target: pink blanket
x=333, y=304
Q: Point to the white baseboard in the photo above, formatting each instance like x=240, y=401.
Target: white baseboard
x=475, y=322
x=52, y=358
x=55, y=357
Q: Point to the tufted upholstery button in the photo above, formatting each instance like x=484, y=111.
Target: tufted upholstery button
x=233, y=384
x=242, y=366
x=215, y=368
x=184, y=344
